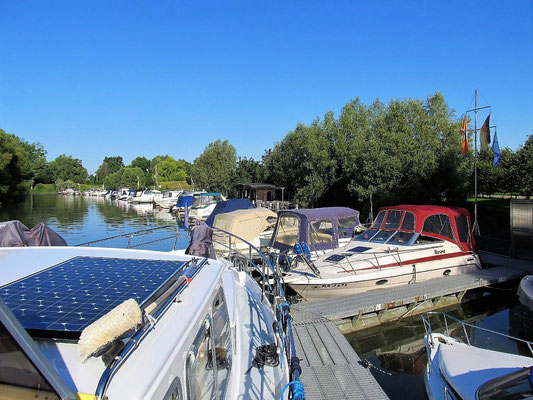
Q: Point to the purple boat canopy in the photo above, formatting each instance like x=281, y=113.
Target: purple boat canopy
x=319, y=228
x=15, y=234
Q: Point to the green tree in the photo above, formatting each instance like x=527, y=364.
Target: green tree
x=110, y=165
x=171, y=170
x=17, y=166
x=214, y=169
x=68, y=168
x=248, y=170
x=141, y=162
x=525, y=161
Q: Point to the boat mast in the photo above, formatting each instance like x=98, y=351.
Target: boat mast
x=476, y=225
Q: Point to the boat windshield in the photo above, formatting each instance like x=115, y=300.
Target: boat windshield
x=204, y=201
x=321, y=231
x=288, y=230
x=516, y=385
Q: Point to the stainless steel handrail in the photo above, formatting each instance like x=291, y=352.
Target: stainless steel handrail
x=464, y=325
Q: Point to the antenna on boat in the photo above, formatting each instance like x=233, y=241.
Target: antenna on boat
x=475, y=226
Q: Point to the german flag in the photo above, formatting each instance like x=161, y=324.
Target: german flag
x=484, y=134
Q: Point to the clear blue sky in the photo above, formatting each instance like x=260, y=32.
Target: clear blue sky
x=105, y=78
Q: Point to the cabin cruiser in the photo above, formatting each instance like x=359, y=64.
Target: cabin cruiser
x=147, y=196
x=184, y=201
x=203, y=204
x=168, y=199
x=254, y=225
x=405, y=244
x=458, y=369
x=321, y=229
x=104, y=323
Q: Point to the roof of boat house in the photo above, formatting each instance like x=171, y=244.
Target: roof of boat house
x=257, y=186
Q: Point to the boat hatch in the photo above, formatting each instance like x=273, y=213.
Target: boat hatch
x=25, y=371
x=62, y=300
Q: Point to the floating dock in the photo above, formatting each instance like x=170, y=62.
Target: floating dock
x=331, y=369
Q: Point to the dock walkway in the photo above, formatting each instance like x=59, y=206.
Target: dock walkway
x=331, y=369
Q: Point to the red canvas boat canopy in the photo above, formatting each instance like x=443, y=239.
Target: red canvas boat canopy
x=447, y=223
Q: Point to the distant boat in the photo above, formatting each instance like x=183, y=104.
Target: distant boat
x=457, y=369
x=203, y=204
x=168, y=199
x=147, y=196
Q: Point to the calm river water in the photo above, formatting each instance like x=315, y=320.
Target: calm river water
x=396, y=349
x=82, y=219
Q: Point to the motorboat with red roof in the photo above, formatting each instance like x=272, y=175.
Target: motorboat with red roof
x=405, y=244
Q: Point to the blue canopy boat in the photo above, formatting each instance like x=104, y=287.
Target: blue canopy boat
x=322, y=229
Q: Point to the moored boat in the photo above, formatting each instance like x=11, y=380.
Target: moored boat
x=99, y=323
x=458, y=368
x=321, y=229
x=168, y=199
x=146, y=196
x=405, y=244
x=203, y=204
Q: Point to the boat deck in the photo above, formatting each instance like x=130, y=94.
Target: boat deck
x=331, y=369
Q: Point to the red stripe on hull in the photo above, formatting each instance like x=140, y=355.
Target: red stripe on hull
x=409, y=262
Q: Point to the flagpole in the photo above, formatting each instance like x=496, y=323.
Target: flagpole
x=475, y=227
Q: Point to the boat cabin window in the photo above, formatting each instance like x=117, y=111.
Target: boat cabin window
x=222, y=336
x=288, y=230
x=401, y=238
x=382, y=236
x=379, y=220
x=408, y=223
x=393, y=220
x=201, y=376
x=515, y=385
x=347, y=222
x=18, y=376
x=438, y=224
x=462, y=228
x=321, y=231
x=213, y=342
x=367, y=235
x=204, y=201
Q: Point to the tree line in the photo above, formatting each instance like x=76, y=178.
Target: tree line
x=406, y=151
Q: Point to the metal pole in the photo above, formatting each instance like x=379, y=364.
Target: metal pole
x=476, y=225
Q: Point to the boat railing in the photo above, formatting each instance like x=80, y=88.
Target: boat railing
x=246, y=257
x=467, y=329
x=146, y=237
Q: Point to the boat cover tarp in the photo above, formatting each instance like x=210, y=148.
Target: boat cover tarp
x=228, y=206
x=525, y=291
x=307, y=216
x=201, y=241
x=247, y=224
x=184, y=201
x=16, y=234
x=462, y=232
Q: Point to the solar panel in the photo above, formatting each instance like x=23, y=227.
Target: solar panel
x=359, y=249
x=69, y=296
x=335, y=258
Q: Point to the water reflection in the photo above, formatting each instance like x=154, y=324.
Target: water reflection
x=81, y=219
x=398, y=352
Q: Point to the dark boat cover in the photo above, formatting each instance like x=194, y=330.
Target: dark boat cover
x=228, y=206
x=184, y=201
x=201, y=241
x=16, y=234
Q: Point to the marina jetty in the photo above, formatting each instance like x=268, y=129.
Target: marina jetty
x=331, y=369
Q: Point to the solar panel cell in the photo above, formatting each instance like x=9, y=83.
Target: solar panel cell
x=70, y=296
